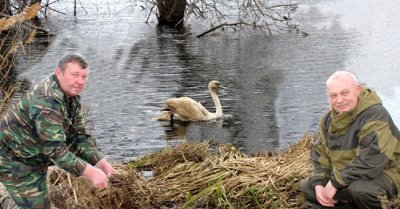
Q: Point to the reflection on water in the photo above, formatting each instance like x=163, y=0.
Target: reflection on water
x=274, y=86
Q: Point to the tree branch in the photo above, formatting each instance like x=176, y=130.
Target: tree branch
x=218, y=26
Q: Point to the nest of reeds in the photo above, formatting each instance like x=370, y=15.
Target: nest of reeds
x=190, y=176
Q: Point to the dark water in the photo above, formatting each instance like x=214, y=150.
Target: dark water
x=274, y=86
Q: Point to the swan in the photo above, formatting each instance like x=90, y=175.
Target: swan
x=187, y=109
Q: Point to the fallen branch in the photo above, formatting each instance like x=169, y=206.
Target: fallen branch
x=216, y=27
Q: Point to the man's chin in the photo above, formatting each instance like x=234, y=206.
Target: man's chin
x=76, y=93
x=341, y=110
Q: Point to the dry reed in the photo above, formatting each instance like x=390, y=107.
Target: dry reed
x=27, y=14
x=10, y=36
x=190, y=176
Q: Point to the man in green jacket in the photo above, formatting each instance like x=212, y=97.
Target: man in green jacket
x=47, y=127
x=357, y=157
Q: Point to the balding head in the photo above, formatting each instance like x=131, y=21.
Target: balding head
x=343, y=75
x=343, y=91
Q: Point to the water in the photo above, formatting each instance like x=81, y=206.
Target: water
x=274, y=86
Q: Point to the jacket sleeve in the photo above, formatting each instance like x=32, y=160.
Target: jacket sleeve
x=320, y=159
x=49, y=126
x=83, y=145
x=376, y=146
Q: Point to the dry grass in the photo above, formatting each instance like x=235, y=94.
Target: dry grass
x=196, y=176
x=189, y=176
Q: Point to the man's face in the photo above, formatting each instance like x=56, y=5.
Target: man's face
x=73, y=79
x=343, y=94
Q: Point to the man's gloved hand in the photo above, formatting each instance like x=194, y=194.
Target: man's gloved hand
x=96, y=176
x=106, y=167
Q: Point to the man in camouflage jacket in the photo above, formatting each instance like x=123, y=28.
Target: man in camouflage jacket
x=47, y=127
x=356, y=160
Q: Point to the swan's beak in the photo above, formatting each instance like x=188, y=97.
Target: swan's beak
x=220, y=86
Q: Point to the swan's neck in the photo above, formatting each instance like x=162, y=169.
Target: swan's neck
x=218, y=107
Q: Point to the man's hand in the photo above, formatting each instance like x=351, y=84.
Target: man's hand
x=96, y=176
x=325, y=195
x=330, y=191
x=106, y=167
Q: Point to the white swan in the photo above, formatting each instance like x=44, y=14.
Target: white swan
x=187, y=109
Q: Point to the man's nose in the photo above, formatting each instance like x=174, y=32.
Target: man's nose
x=81, y=80
x=339, y=99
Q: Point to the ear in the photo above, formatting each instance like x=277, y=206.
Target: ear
x=359, y=89
x=58, y=72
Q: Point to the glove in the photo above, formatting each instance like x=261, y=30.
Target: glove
x=96, y=176
x=106, y=167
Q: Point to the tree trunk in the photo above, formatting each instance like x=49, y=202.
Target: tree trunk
x=171, y=12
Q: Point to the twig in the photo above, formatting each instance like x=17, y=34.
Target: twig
x=73, y=188
x=147, y=20
x=218, y=26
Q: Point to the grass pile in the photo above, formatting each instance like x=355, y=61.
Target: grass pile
x=195, y=176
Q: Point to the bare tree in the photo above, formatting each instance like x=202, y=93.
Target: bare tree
x=171, y=12
x=266, y=15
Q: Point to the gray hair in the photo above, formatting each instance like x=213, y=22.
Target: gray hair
x=72, y=57
x=343, y=74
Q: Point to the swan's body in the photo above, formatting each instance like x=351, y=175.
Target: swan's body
x=187, y=109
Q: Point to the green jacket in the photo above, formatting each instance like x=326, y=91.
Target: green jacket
x=46, y=128
x=357, y=145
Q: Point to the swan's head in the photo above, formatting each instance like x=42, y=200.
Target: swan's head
x=214, y=85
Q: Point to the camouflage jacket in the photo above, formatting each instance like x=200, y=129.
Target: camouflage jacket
x=360, y=144
x=46, y=128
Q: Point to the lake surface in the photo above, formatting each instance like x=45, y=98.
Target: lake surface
x=275, y=86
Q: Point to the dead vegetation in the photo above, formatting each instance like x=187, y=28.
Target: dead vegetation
x=13, y=37
x=195, y=176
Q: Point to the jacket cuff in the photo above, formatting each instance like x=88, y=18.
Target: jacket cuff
x=80, y=166
x=94, y=158
x=337, y=185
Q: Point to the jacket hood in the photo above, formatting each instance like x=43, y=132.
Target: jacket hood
x=367, y=98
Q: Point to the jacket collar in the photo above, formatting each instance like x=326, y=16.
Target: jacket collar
x=340, y=122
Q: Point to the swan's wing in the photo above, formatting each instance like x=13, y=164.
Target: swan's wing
x=201, y=108
x=186, y=107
